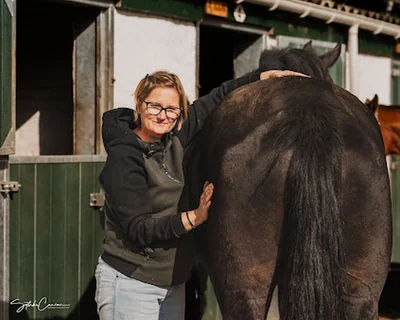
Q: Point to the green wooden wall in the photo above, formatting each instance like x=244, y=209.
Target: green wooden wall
x=5, y=69
x=396, y=82
x=395, y=190
x=55, y=237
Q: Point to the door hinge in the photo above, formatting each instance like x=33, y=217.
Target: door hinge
x=9, y=186
x=96, y=200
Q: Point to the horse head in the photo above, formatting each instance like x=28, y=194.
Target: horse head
x=301, y=60
x=389, y=123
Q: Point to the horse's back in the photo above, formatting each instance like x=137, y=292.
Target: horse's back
x=284, y=107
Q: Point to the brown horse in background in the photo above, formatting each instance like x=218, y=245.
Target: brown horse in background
x=292, y=160
x=389, y=122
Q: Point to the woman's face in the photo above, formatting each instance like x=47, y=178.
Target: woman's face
x=153, y=127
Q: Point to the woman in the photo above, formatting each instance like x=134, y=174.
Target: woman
x=148, y=246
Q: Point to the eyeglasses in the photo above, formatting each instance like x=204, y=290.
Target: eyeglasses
x=155, y=109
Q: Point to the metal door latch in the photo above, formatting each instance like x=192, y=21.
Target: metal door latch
x=9, y=186
x=97, y=200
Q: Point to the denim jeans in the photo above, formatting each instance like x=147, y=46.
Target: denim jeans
x=119, y=297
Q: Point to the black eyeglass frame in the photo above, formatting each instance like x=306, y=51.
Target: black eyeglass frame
x=163, y=109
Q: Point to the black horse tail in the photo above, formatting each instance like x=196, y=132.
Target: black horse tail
x=310, y=286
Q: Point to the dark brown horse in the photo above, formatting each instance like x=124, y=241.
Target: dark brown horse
x=292, y=160
x=389, y=122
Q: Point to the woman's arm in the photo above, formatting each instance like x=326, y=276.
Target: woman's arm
x=128, y=200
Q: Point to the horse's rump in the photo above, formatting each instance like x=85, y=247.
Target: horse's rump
x=292, y=161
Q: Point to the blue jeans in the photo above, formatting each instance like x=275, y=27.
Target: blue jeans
x=119, y=297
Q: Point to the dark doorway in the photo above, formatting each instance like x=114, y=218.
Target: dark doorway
x=46, y=35
x=222, y=55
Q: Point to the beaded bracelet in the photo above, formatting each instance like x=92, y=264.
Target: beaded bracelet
x=190, y=222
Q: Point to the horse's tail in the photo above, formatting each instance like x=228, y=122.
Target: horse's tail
x=310, y=286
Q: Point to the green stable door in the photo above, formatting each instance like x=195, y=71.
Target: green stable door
x=56, y=236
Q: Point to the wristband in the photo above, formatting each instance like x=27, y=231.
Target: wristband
x=190, y=222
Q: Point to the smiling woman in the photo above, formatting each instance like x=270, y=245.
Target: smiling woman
x=161, y=91
x=154, y=123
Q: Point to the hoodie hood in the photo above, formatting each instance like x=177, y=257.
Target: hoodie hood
x=117, y=128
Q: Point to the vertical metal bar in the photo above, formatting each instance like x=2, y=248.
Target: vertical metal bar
x=4, y=242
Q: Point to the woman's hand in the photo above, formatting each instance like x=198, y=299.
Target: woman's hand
x=201, y=213
x=194, y=218
x=279, y=74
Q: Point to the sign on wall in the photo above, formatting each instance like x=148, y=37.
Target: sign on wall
x=216, y=8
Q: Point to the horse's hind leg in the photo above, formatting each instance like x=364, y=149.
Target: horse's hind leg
x=243, y=263
x=367, y=237
x=244, y=241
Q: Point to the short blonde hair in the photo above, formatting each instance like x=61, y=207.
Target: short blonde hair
x=156, y=80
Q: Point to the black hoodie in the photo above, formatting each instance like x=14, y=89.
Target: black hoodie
x=143, y=182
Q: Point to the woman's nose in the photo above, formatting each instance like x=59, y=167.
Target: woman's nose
x=163, y=114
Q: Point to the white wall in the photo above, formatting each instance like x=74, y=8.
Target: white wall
x=144, y=44
x=374, y=77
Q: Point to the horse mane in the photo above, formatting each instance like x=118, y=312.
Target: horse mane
x=304, y=61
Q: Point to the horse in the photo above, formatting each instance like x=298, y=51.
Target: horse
x=389, y=122
x=292, y=160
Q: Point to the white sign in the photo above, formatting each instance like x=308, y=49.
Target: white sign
x=239, y=14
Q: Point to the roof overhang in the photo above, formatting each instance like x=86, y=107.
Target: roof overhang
x=330, y=15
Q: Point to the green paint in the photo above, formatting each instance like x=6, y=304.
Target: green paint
x=68, y=237
x=5, y=71
x=189, y=10
x=91, y=231
x=71, y=202
x=396, y=84
x=44, y=231
x=15, y=241
x=23, y=233
x=395, y=188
